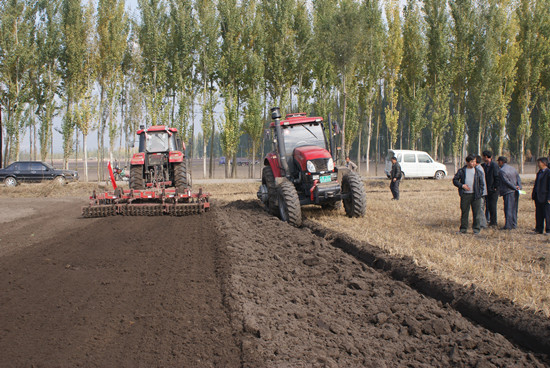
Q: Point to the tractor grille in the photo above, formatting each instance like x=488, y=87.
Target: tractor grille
x=320, y=164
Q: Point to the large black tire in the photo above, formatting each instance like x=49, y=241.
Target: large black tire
x=269, y=180
x=355, y=202
x=181, y=179
x=289, y=204
x=136, y=177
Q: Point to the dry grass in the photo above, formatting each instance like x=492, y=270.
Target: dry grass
x=512, y=264
x=422, y=225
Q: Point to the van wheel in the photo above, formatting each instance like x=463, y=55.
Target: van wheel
x=439, y=175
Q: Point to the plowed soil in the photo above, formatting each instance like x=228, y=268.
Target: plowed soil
x=232, y=287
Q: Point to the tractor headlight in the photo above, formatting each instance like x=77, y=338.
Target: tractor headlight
x=310, y=167
x=330, y=164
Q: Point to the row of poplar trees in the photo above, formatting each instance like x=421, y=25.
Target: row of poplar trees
x=448, y=76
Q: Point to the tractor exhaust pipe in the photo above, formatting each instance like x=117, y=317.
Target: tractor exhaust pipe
x=276, y=116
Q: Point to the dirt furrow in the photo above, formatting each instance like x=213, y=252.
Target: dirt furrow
x=299, y=301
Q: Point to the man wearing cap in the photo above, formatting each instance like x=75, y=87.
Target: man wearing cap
x=470, y=184
x=510, y=185
x=395, y=177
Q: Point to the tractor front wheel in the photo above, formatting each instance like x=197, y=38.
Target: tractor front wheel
x=289, y=204
x=269, y=180
x=355, y=198
x=136, y=177
x=181, y=179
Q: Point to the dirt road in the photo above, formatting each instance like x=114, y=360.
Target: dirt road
x=233, y=287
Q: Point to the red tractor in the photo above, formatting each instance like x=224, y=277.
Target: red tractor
x=159, y=181
x=160, y=160
x=300, y=171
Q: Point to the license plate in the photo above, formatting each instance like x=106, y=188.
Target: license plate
x=324, y=179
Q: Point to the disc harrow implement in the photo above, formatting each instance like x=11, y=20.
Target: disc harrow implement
x=152, y=202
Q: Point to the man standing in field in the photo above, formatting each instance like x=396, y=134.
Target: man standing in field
x=350, y=164
x=510, y=184
x=492, y=179
x=469, y=182
x=541, y=196
x=395, y=177
x=482, y=218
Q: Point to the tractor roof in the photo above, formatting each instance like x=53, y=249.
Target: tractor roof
x=299, y=118
x=158, y=128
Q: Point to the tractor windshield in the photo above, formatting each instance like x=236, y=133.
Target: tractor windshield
x=303, y=135
x=158, y=142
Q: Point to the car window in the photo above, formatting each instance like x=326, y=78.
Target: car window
x=410, y=157
x=24, y=166
x=12, y=167
x=398, y=157
x=424, y=158
x=37, y=166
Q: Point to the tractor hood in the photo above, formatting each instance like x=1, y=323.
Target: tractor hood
x=304, y=153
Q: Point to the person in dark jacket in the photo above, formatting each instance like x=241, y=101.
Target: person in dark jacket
x=395, y=177
x=510, y=185
x=541, y=196
x=470, y=184
x=492, y=179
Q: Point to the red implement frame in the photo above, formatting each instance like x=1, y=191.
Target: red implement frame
x=154, y=202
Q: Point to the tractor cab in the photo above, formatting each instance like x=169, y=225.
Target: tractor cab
x=160, y=159
x=305, y=143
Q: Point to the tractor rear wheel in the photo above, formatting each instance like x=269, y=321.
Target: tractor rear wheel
x=269, y=180
x=355, y=198
x=136, y=177
x=289, y=204
x=181, y=179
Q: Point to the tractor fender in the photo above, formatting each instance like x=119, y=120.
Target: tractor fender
x=176, y=156
x=272, y=161
x=138, y=159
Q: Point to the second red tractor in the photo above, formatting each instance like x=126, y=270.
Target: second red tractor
x=300, y=171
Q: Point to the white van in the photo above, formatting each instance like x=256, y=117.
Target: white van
x=415, y=164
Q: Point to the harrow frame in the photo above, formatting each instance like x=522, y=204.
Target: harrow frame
x=149, y=202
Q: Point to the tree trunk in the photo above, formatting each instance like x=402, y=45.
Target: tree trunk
x=35, y=145
x=479, y=132
x=204, y=155
x=343, y=139
x=253, y=163
x=369, y=137
x=359, y=151
x=521, y=151
x=377, y=142
x=211, y=168
x=51, y=142
x=436, y=146
x=84, y=149
x=76, y=149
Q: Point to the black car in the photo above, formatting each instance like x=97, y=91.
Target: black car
x=34, y=172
